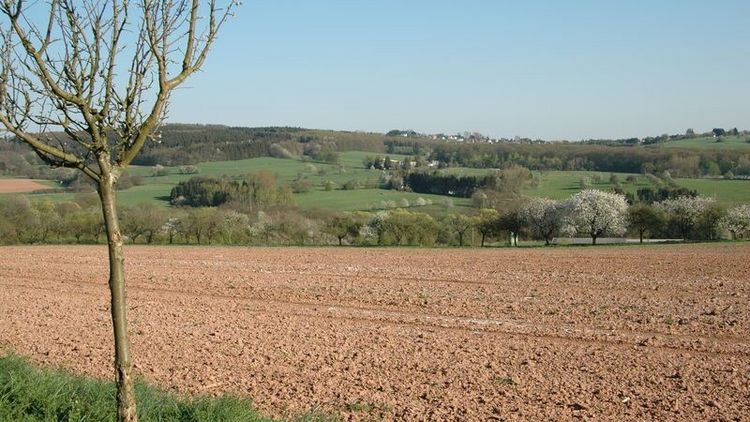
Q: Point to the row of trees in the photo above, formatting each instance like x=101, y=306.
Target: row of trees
x=445, y=184
x=566, y=156
x=181, y=144
x=509, y=181
x=590, y=213
x=596, y=213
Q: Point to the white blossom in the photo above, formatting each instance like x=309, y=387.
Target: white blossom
x=686, y=211
x=546, y=218
x=598, y=213
x=737, y=221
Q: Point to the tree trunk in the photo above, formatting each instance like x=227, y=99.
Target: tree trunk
x=641, y=235
x=341, y=240
x=593, y=239
x=126, y=410
x=483, y=237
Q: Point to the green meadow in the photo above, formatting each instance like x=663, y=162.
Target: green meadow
x=741, y=142
x=367, y=195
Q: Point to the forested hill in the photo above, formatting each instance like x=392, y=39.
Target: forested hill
x=189, y=143
x=690, y=155
x=703, y=155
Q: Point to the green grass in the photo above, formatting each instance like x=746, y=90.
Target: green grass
x=287, y=170
x=707, y=142
x=355, y=158
x=31, y=394
x=552, y=184
x=562, y=184
x=727, y=192
x=350, y=167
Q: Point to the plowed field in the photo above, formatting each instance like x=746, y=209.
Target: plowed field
x=20, y=185
x=605, y=333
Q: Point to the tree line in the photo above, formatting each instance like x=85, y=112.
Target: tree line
x=184, y=144
x=589, y=213
x=510, y=180
x=567, y=156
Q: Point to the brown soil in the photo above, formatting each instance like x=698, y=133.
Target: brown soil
x=20, y=185
x=616, y=333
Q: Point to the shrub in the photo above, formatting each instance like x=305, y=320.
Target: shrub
x=188, y=170
x=279, y=151
x=352, y=184
x=159, y=171
x=301, y=186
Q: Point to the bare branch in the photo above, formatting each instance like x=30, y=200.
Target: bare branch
x=105, y=69
x=62, y=93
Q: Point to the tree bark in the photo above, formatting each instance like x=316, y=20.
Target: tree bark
x=126, y=408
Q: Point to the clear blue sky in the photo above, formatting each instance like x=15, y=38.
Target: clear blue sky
x=550, y=69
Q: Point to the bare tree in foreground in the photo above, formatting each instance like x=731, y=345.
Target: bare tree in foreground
x=86, y=83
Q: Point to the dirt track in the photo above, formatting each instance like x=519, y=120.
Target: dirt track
x=617, y=333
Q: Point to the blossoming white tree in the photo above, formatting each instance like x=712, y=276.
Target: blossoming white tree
x=737, y=221
x=685, y=211
x=597, y=213
x=545, y=218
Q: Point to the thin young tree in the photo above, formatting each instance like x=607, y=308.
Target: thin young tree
x=86, y=84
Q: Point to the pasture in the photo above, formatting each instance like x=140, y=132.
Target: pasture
x=562, y=184
x=709, y=143
x=366, y=195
